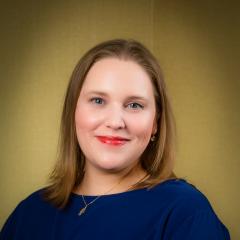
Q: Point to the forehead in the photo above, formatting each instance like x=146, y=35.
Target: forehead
x=116, y=75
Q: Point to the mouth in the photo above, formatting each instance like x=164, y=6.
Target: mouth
x=113, y=140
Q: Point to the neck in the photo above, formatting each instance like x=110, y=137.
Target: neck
x=96, y=182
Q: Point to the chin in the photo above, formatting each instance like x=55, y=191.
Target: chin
x=111, y=166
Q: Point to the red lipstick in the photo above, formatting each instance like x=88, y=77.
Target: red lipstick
x=112, y=140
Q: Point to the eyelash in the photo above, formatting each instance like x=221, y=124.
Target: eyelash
x=138, y=105
x=93, y=100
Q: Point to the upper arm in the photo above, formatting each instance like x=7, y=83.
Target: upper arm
x=11, y=226
x=201, y=225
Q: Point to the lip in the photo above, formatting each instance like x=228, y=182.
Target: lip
x=113, y=140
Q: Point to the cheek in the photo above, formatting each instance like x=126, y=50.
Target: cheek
x=144, y=127
x=86, y=122
x=85, y=119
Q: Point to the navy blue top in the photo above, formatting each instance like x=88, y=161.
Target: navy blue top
x=172, y=210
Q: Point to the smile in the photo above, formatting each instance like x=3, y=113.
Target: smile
x=115, y=141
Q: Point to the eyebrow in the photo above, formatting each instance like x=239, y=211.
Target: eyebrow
x=97, y=93
x=132, y=97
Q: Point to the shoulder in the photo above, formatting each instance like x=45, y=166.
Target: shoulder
x=33, y=204
x=24, y=215
x=34, y=200
x=182, y=196
x=188, y=212
x=179, y=189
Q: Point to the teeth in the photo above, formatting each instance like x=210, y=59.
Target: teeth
x=110, y=141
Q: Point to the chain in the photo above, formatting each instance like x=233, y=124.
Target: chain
x=87, y=204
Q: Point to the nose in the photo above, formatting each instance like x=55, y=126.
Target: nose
x=114, y=119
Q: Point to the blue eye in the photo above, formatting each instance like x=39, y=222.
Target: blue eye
x=135, y=105
x=96, y=100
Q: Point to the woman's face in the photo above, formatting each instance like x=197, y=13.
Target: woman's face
x=115, y=114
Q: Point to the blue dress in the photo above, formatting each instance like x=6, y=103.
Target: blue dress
x=172, y=210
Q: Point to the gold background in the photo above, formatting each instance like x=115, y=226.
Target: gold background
x=197, y=44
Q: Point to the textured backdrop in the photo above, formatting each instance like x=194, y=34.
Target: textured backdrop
x=197, y=44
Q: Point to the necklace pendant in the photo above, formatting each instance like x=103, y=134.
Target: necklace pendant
x=82, y=211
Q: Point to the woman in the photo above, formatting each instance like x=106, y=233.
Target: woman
x=114, y=177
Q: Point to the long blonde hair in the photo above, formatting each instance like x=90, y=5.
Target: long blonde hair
x=157, y=159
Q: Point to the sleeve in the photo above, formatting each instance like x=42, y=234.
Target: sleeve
x=11, y=227
x=201, y=225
